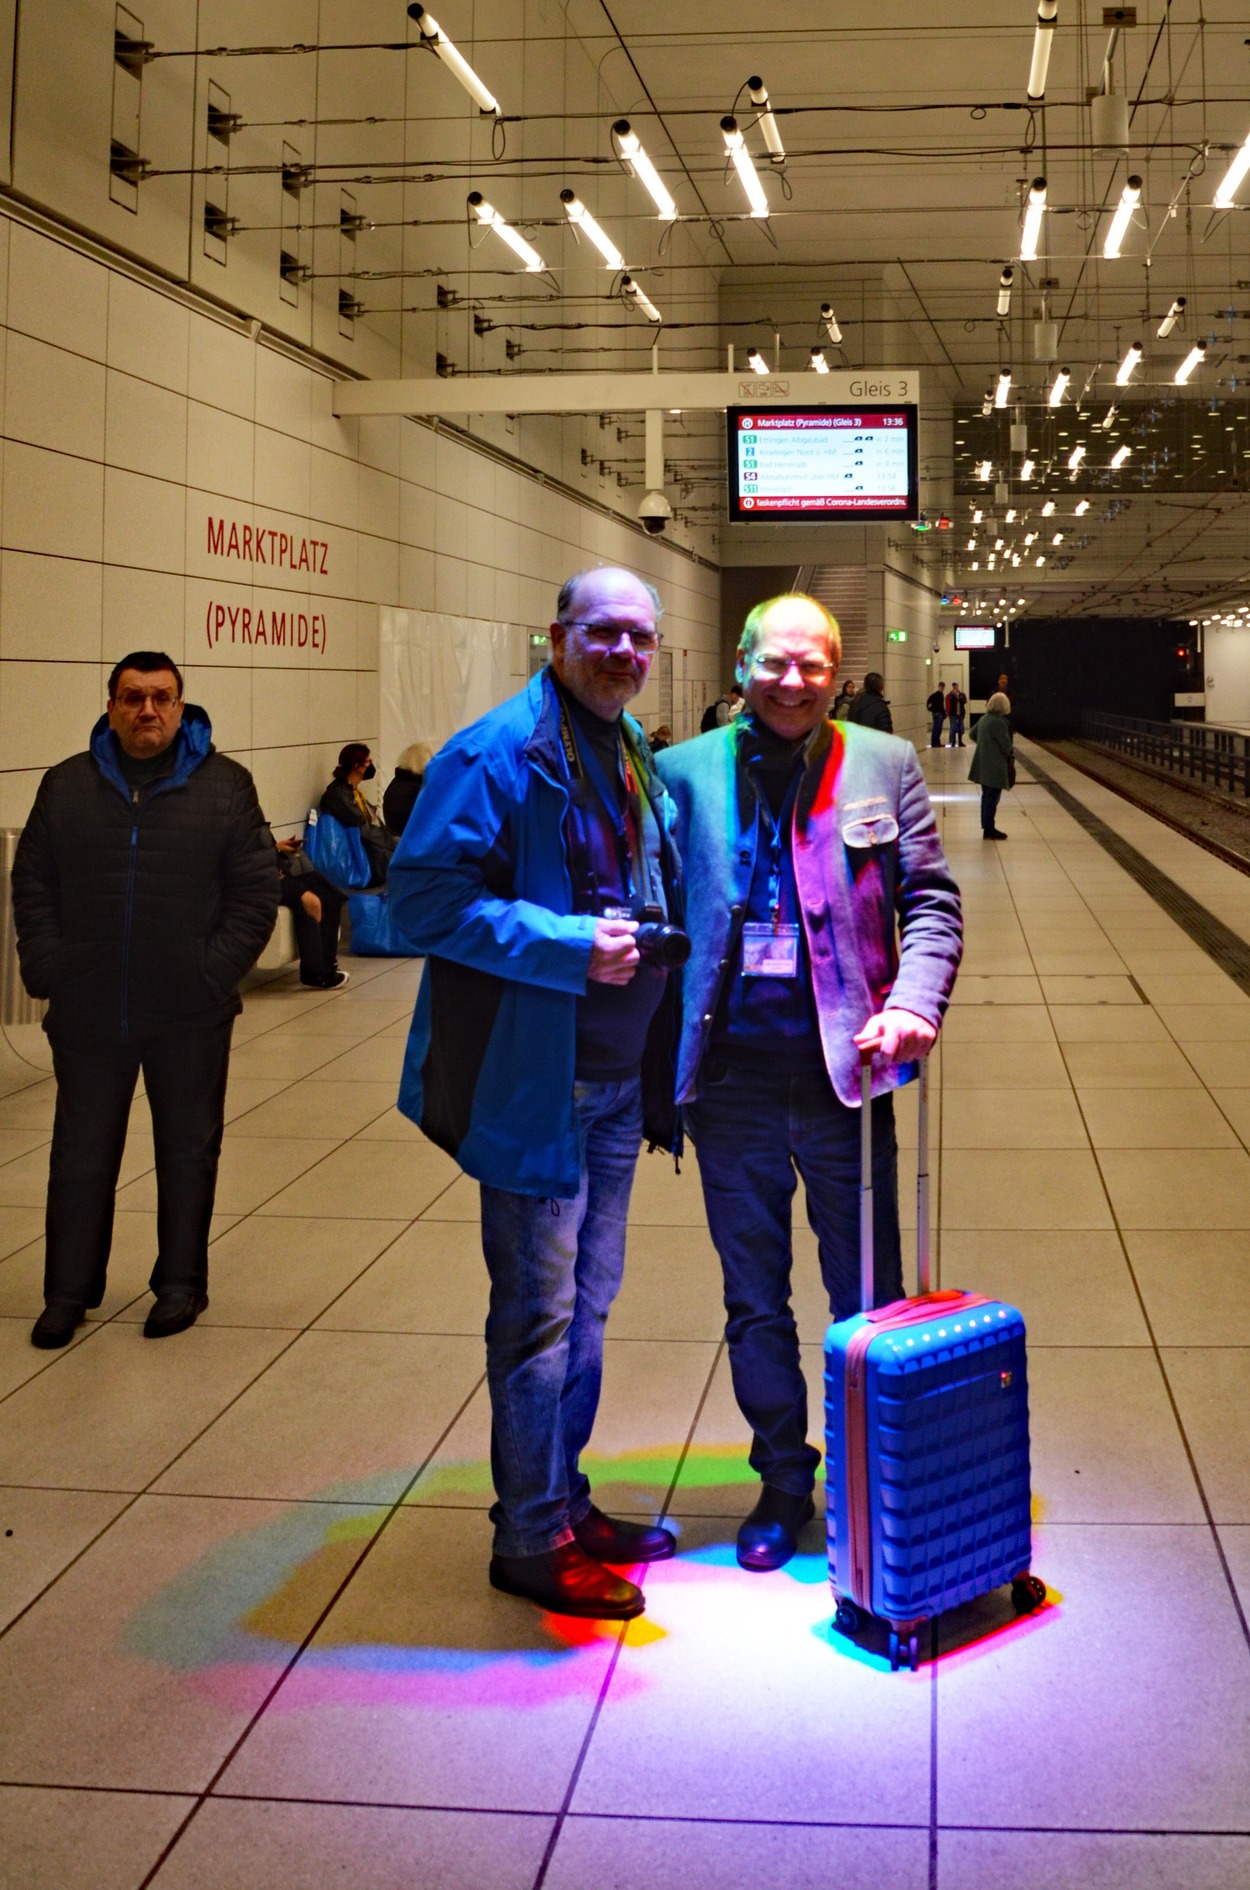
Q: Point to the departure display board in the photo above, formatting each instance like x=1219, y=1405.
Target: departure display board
x=974, y=636
x=822, y=464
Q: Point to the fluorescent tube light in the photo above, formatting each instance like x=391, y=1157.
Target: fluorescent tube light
x=639, y=300
x=1075, y=457
x=1043, y=33
x=1124, y=373
x=1034, y=211
x=1004, y=387
x=830, y=320
x=490, y=217
x=1130, y=197
x=1172, y=317
x=1004, y=290
x=1059, y=387
x=438, y=42
x=756, y=362
x=818, y=362
x=767, y=123
x=1119, y=456
x=735, y=145
x=1232, y=177
x=634, y=158
x=1194, y=359
x=578, y=215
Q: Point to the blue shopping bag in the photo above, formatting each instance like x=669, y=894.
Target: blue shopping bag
x=337, y=852
x=374, y=935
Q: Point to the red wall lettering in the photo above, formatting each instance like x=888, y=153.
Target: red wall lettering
x=258, y=544
x=239, y=624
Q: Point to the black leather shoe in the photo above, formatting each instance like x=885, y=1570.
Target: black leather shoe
x=607, y=1539
x=993, y=834
x=567, y=1581
x=56, y=1325
x=769, y=1536
x=173, y=1312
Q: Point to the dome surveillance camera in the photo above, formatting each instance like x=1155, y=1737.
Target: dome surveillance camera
x=655, y=511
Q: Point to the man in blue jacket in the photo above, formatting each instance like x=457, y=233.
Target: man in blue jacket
x=802, y=841
x=540, y=836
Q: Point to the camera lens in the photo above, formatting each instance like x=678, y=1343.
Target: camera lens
x=661, y=944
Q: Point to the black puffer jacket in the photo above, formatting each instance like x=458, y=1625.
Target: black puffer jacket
x=871, y=711
x=139, y=914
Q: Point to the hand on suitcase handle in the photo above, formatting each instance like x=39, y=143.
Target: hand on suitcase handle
x=898, y=1036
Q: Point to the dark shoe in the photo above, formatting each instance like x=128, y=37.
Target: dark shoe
x=607, y=1539
x=56, y=1325
x=335, y=982
x=173, y=1312
x=992, y=833
x=769, y=1536
x=567, y=1581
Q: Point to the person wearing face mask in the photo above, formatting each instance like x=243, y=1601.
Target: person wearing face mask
x=540, y=1053
x=804, y=844
x=345, y=799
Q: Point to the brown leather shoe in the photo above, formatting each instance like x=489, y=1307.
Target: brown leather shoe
x=608, y=1539
x=567, y=1581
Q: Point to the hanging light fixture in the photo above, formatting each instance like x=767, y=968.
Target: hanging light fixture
x=1130, y=197
x=1232, y=177
x=830, y=320
x=1125, y=371
x=1058, y=387
x=1172, y=317
x=434, y=37
x=634, y=158
x=767, y=123
x=1004, y=290
x=756, y=362
x=487, y=215
x=1075, y=457
x=580, y=217
x=1035, y=210
x=1194, y=359
x=1108, y=417
x=1119, y=456
x=818, y=363
x=1048, y=508
x=1082, y=507
x=1026, y=471
x=984, y=469
x=637, y=299
x=987, y=403
x=1003, y=389
x=740, y=157
x=1043, y=33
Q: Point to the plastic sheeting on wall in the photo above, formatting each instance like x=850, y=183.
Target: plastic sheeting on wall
x=437, y=673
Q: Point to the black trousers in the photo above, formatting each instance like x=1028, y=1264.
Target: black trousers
x=185, y=1077
x=318, y=939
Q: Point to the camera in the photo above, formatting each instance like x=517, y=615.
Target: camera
x=659, y=942
x=655, y=511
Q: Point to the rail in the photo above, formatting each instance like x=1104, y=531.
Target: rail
x=1218, y=757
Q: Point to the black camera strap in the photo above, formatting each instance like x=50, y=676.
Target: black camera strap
x=626, y=822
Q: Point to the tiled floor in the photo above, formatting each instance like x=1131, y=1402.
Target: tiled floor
x=245, y=1634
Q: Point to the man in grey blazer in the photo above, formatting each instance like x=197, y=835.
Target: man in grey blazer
x=824, y=923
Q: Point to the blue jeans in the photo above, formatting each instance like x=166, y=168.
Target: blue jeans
x=990, y=797
x=751, y=1133
x=555, y=1267
x=935, y=734
x=957, y=729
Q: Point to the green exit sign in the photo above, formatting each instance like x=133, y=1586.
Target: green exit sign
x=896, y=636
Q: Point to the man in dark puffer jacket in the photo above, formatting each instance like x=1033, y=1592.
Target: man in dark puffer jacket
x=144, y=886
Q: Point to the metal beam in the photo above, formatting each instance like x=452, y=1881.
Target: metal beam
x=624, y=393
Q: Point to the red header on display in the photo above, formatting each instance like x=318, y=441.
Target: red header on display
x=818, y=422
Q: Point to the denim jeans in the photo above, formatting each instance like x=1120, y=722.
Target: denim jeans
x=751, y=1133
x=990, y=797
x=957, y=729
x=935, y=733
x=555, y=1267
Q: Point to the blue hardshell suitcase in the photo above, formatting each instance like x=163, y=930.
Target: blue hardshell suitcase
x=927, y=1442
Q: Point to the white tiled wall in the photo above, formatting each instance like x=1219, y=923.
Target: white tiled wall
x=129, y=419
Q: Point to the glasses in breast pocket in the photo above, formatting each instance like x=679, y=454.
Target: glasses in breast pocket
x=874, y=830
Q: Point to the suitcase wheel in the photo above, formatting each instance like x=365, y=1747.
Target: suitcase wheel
x=1028, y=1592
x=904, y=1651
x=847, y=1618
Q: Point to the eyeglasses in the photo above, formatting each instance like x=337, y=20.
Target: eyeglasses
x=776, y=668
x=162, y=700
x=606, y=636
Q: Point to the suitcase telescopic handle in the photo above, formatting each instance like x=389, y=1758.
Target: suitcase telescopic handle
x=867, y=1263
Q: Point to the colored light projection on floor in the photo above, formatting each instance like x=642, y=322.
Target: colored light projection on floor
x=419, y=1625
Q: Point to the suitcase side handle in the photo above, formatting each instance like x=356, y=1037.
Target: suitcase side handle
x=867, y=1266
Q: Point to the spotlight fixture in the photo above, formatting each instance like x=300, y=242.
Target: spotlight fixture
x=1172, y=317
x=767, y=123
x=1194, y=359
x=740, y=157
x=1108, y=417
x=1081, y=508
x=818, y=363
x=1057, y=539
x=1125, y=371
x=1232, y=177
x=1026, y=471
x=756, y=362
x=1030, y=538
x=830, y=320
x=998, y=544
x=1130, y=197
x=1043, y=33
x=971, y=545
x=1009, y=516
x=487, y=215
x=634, y=158
x=434, y=37
x=1119, y=456
x=580, y=217
x=639, y=300
x=1035, y=209
x=1042, y=559
x=1059, y=387
x=1004, y=290
x=1048, y=508
x=985, y=469
x=1075, y=457
x=1004, y=387
x=987, y=403
x=977, y=516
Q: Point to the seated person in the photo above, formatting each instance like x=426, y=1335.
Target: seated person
x=343, y=798
x=409, y=779
x=662, y=739
x=316, y=907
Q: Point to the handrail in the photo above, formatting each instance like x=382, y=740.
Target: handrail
x=1218, y=757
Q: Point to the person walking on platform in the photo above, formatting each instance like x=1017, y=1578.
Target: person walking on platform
x=936, y=705
x=993, y=765
x=145, y=885
x=956, y=709
x=538, y=845
x=870, y=707
x=802, y=841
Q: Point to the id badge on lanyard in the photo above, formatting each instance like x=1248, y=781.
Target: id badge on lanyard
x=772, y=950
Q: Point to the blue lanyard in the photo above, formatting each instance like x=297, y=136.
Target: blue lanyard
x=776, y=831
